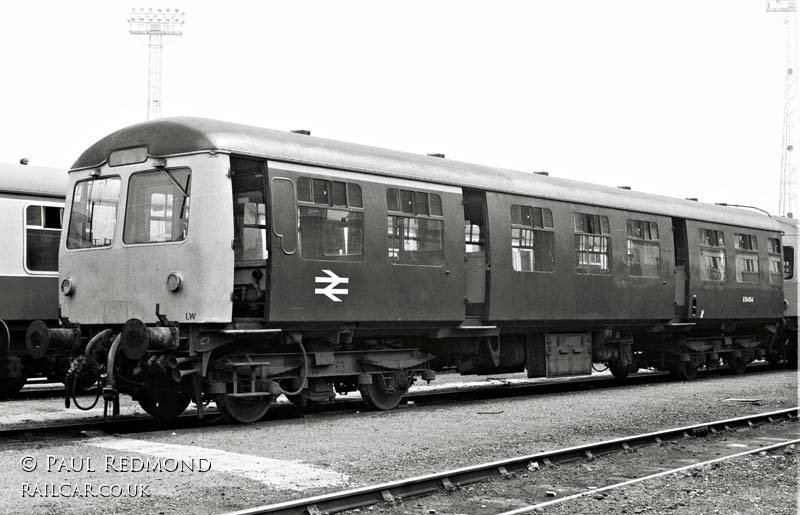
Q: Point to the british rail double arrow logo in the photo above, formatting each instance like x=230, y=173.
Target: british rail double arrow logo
x=331, y=291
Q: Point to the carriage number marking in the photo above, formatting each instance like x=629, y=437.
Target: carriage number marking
x=747, y=300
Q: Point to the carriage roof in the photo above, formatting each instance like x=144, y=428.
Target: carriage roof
x=41, y=181
x=171, y=136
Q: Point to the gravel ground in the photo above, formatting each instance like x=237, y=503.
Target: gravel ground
x=757, y=485
x=370, y=447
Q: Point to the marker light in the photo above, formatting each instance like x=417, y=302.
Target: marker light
x=174, y=281
x=67, y=286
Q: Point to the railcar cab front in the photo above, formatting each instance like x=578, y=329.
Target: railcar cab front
x=146, y=239
x=146, y=256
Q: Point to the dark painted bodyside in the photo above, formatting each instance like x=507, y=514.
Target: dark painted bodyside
x=377, y=289
x=731, y=299
x=564, y=295
x=28, y=298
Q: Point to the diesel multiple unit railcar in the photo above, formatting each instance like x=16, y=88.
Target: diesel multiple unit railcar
x=209, y=260
x=31, y=207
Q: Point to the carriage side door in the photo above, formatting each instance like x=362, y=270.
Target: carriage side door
x=476, y=252
x=681, y=267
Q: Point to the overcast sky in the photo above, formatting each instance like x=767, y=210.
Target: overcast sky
x=683, y=98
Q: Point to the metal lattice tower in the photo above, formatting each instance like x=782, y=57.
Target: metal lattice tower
x=788, y=197
x=155, y=24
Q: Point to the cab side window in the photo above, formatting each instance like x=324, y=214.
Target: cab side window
x=42, y=235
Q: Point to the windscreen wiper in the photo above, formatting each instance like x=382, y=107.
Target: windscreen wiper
x=176, y=183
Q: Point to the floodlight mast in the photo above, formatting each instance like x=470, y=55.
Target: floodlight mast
x=787, y=204
x=155, y=24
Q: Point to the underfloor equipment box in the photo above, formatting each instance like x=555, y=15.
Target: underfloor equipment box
x=569, y=354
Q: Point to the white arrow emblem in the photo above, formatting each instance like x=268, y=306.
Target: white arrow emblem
x=333, y=281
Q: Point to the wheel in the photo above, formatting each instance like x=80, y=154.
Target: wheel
x=382, y=397
x=737, y=365
x=785, y=354
x=619, y=371
x=791, y=350
x=684, y=370
x=164, y=405
x=11, y=386
x=243, y=410
x=622, y=371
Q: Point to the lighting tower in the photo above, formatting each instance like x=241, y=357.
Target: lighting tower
x=788, y=196
x=155, y=24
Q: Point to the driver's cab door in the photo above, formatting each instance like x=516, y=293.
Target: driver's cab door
x=250, y=241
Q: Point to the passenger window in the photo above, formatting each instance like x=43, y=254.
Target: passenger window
x=592, y=244
x=436, y=204
x=331, y=228
x=415, y=240
x=472, y=238
x=407, y=201
x=339, y=194
x=788, y=262
x=745, y=242
x=42, y=235
x=712, y=255
x=304, y=189
x=775, y=261
x=354, y=198
x=532, y=239
x=643, y=249
x=746, y=246
x=321, y=192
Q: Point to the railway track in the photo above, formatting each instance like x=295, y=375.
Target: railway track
x=453, y=479
x=38, y=391
x=142, y=423
x=41, y=389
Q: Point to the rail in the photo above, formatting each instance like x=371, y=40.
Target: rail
x=389, y=492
